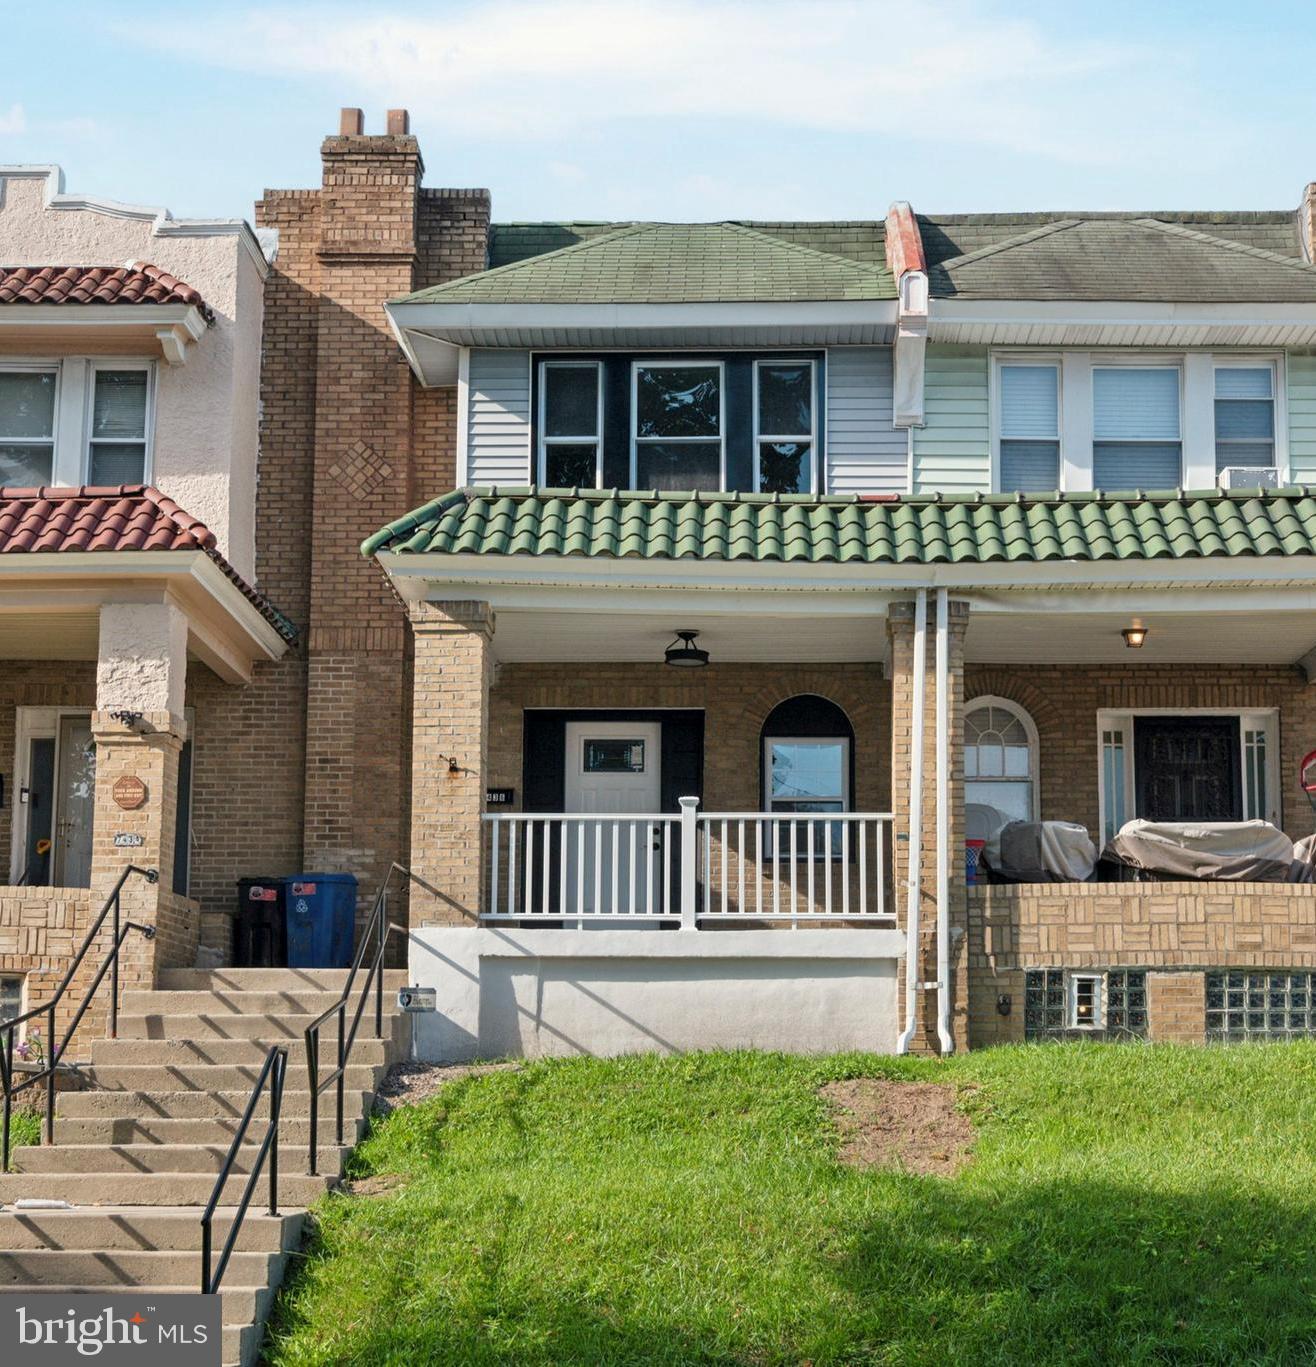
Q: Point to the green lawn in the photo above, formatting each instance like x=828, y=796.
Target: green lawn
x=1126, y=1204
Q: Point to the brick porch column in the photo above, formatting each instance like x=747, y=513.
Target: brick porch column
x=140, y=671
x=452, y=672
x=900, y=626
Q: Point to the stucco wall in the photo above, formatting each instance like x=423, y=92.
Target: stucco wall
x=206, y=410
x=553, y=992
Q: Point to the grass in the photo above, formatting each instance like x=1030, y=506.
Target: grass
x=24, y=1126
x=1132, y=1205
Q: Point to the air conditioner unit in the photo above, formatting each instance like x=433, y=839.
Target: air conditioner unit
x=1249, y=477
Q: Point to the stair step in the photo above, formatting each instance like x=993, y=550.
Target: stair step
x=182, y=1051
x=163, y=1158
x=294, y=1132
x=197, y=1105
x=296, y=1189
x=271, y=979
x=305, y=1001
x=215, y=1077
x=121, y=1267
x=143, y=1229
x=270, y=1027
x=242, y=1304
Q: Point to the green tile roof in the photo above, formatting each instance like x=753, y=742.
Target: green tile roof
x=871, y=530
x=667, y=263
x=1129, y=259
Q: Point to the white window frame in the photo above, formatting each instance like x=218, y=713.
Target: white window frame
x=39, y=367
x=761, y=437
x=679, y=363
x=1142, y=361
x=541, y=413
x=1034, y=748
x=1098, y=981
x=1119, y=723
x=89, y=401
x=1196, y=406
x=1275, y=364
x=1002, y=359
x=74, y=400
x=846, y=797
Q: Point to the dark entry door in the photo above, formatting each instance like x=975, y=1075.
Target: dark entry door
x=1187, y=768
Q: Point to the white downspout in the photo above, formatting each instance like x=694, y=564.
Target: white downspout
x=914, y=858
x=943, y=824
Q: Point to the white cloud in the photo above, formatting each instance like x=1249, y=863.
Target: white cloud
x=15, y=121
x=956, y=72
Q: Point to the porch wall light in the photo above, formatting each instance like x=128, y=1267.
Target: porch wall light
x=685, y=653
x=1134, y=637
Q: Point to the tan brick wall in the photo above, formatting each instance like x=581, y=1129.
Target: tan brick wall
x=1176, y=1008
x=1162, y=927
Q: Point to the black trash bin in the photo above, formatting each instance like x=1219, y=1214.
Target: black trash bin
x=260, y=934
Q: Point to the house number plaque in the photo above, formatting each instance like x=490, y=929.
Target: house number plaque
x=129, y=792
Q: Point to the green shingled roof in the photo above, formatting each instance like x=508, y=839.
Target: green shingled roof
x=1131, y=259
x=871, y=530
x=667, y=263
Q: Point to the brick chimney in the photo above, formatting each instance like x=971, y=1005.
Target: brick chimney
x=370, y=189
x=1307, y=222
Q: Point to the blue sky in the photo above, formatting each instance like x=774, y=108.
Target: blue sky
x=675, y=109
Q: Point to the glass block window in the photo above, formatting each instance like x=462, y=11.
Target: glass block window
x=1111, y=1002
x=1255, y=1004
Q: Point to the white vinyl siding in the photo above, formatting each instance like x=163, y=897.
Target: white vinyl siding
x=498, y=418
x=1302, y=418
x=952, y=450
x=865, y=454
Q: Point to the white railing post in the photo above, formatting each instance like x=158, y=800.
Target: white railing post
x=689, y=860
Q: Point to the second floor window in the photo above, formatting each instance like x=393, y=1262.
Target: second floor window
x=75, y=421
x=1135, y=427
x=27, y=426
x=570, y=424
x=784, y=441
x=1244, y=416
x=1030, y=428
x=677, y=425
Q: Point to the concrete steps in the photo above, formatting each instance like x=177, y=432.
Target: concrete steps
x=137, y=1153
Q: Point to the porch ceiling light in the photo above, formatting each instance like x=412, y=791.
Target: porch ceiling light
x=1134, y=636
x=684, y=652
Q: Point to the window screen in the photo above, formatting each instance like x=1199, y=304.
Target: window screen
x=1244, y=416
x=27, y=426
x=1135, y=428
x=1030, y=428
x=117, y=453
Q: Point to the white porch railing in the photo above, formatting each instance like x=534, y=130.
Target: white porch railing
x=696, y=868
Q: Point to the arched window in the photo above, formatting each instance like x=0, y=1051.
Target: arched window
x=1000, y=758
x=808, y=757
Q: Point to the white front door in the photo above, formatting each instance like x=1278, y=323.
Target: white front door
x=613, y=768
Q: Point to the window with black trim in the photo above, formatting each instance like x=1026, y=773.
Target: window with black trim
x=570, y=424
x=677, y=429
x=784, y=427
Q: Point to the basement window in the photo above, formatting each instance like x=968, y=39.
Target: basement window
x=11, y=997
x=1109, y=1004
x=1243, y=1004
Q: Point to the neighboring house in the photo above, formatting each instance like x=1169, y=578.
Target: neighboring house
x=129, y=374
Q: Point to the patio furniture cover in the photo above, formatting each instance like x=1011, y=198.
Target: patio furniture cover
x=1223, y=851
x=1046, y=852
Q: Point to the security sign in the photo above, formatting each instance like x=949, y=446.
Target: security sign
x=418, y=999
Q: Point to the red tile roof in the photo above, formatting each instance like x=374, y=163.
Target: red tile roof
x=125, y=517
x=136, y=283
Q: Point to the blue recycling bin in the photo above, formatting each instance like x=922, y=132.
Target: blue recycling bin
x=321, y=911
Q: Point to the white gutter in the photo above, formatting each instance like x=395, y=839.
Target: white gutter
x=944, y=1035
x=914, y=859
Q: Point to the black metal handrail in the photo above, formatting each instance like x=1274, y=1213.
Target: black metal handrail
x=54, y=1054
x=378, y=929
x=274, y=1072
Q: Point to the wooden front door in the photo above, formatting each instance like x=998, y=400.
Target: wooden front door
x=1187, y=768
